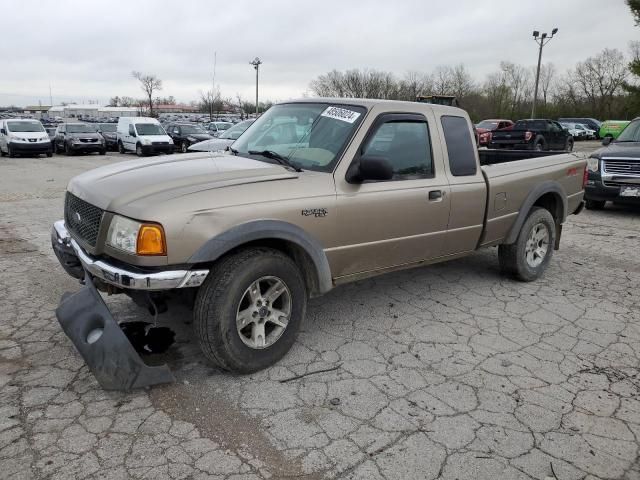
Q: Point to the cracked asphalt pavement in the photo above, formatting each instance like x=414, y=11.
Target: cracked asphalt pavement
x=449, y=372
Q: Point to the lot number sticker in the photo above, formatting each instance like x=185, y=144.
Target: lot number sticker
x=343, y=114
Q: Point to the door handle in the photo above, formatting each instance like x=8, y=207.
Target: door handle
x=435, y=194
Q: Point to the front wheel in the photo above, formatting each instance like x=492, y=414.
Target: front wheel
x=10, y=152
x=529, y=256
x=184, y=147
x=569, y=147
x=139, y=150
x=49, y=154
x=249, y=310
x=121, y=148
x=67, y=149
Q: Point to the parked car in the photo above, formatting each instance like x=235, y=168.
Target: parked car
x=73, y=138
x=225, y=139
x=186, y=134
x=143, y=135
x=23, y=136
x=574, y=131
x=533, y=134
x=248, y=238
x=590, y=123
x=109, y=132
x=614, y=170
x=486, y=127
x=612, y=128
x=589, y=134
x=216, y=128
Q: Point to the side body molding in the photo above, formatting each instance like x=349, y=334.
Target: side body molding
x=549, y=186
x=265, y=230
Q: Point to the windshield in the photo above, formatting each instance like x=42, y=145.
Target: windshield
x=80, y=128
x=311, y=135
x=631, y=133
x=488, y=125
x=234, y=132
x=25, y=127
x=149, y=129
x=223, y=126
x=190, y=129
x=108, y=127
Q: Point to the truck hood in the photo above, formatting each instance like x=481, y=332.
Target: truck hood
x=629, y=150
x=113, y=186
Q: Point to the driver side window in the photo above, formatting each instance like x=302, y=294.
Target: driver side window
x=132, y=131
x=406, y=146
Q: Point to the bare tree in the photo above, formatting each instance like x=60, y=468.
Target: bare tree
x=210, y=102
x=149, y=84
x=356, y=84
x=547, y=74
x=600, y=79
x=414, y=84
x=518, y=80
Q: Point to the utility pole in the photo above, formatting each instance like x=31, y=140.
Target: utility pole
x=541, y=40
x=256, y=62
x=213, y=86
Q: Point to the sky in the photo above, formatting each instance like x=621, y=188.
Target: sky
x=86, y=50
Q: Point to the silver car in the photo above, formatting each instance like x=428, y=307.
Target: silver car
x=225, y=139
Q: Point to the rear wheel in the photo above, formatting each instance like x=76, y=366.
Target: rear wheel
x=121, y=148
x=594, y=204
x=184, y=147
x=540, y=145
x=249, y=310
x=49, y=154
x=529, y=256
x=569, y=147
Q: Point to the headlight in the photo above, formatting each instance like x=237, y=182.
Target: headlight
x=135, y=237
x=146, y=141
x=16, y=139
x=592, y=164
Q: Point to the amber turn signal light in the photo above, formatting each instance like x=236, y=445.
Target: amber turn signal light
x=151, y=240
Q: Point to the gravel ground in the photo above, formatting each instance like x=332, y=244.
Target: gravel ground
x=448, y=372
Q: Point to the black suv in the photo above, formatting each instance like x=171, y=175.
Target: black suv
x=614, y=170
x=109, y=133
x=72, y=138
x=186, y=134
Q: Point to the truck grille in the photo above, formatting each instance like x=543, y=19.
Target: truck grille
x=82, y=218
x=621, y=167
x=159, y=143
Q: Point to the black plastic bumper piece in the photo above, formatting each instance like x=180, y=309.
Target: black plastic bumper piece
x=86, y=320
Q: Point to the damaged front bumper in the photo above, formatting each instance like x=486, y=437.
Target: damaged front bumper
x=86, y=320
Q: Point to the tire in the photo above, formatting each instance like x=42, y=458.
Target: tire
x=103, y=151
x=10, y=153
x=226, y=292
x=67, y=150
x=49, y=154
x=522, y=260
x=2, y=154
x=540, y=145
x=594, y=204
x=139, y=150
x=121, y=148
x=184, y=147
x=569, y=147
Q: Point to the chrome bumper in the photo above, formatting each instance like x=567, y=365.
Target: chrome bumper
x=160, y=280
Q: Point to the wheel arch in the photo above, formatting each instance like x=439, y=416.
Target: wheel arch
x=288, y=238
x=549, y=195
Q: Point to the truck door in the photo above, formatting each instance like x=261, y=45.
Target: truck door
x=467, y=185
x=383, y=224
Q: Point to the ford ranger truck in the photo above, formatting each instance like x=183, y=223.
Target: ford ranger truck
x=316, y=193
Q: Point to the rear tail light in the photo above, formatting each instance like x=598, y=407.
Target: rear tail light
x=585, y=177
x=528, y=136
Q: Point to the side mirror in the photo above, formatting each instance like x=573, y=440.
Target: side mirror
x=607, y=140
x=369, y=167
x=3, y=131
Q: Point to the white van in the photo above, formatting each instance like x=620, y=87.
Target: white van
x=24, y=136
x=143, y=135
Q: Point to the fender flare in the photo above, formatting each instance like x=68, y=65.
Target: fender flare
x=549, y=186
x=266, y=230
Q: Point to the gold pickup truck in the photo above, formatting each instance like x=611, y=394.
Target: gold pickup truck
x=316, y=193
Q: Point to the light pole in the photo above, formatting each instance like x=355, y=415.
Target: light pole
x=256, y=62
x=541, y=40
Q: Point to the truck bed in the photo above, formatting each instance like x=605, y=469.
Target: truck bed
x=511, y=178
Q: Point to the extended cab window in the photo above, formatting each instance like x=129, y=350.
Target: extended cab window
x=461, y=149
x=406, y=146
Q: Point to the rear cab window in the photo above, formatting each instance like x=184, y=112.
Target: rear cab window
x=460, y=147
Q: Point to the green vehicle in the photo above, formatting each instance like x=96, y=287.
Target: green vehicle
x=612, y=128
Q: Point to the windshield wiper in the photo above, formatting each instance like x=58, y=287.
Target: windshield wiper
x=233, y=150
x=277, y=157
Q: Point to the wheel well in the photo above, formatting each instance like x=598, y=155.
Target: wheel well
x=294, y=251
x=553, y=204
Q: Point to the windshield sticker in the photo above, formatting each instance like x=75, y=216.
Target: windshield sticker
x=343, y=114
